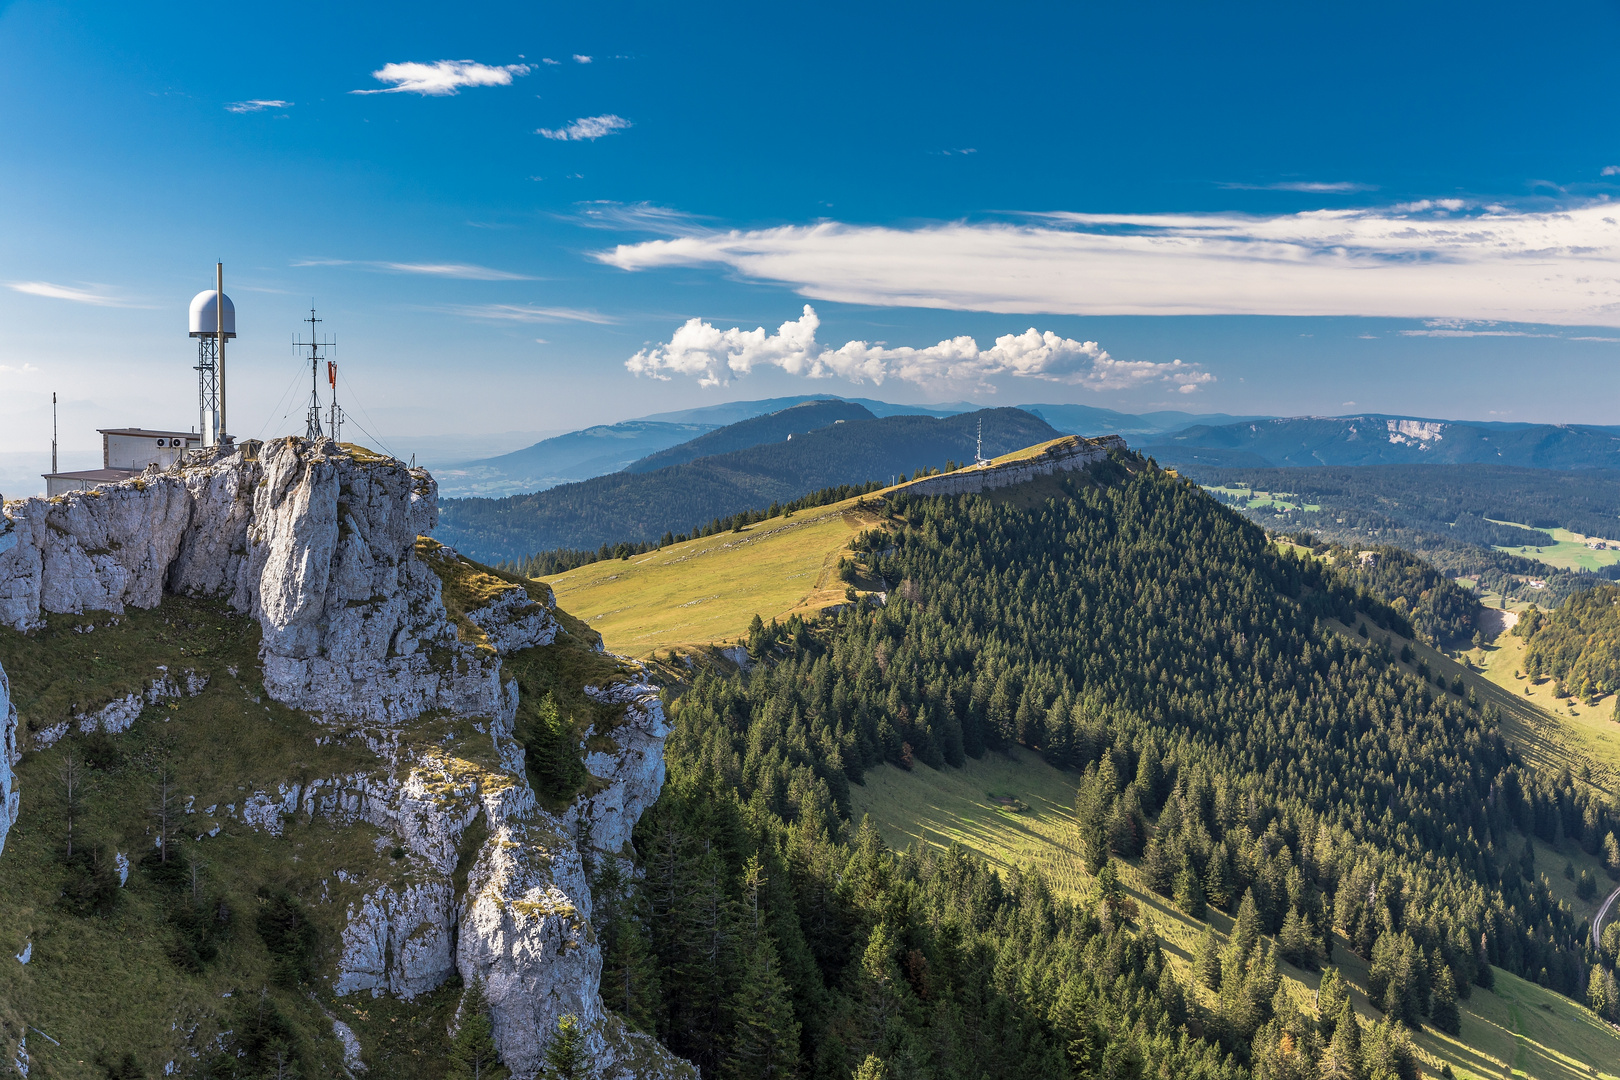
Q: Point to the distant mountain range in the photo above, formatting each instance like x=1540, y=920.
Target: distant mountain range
x=1173, y=437
x=1387, y=440
x=638, y=506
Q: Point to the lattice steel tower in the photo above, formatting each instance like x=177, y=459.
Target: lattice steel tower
x=212, y=323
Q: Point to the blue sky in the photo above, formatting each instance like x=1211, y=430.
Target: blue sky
x=1280, y=209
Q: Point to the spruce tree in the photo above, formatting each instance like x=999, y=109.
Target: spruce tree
x=1207, y=959
x=565, y=1053
x=472, y=1050
x=1190, y=892
x=1332, y=994
x=1443, y=1011
x=765, y=1045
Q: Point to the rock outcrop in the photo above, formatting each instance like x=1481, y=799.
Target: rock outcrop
x=321, y=545
x=9, y=797
x=1064, y=455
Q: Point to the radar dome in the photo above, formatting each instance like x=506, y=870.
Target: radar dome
x=204, y=320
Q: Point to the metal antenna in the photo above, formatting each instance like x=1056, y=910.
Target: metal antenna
x=53, y=431
x=978, y=451
x=219, y=339
x=312, y=425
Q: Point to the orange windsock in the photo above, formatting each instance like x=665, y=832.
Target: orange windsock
x=331, y=373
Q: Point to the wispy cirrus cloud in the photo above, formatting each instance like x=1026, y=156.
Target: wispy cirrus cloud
x=67, y=292
x=606, y=214
x=463, y=271
x=1426, y=259
x=528, y=313
x=1315, y=187
x=587, y=128
x=442, y=78
x=18, y=369
x=254, y=105
x=713, y=356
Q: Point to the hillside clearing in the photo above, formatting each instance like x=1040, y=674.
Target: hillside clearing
x=1517, y=1026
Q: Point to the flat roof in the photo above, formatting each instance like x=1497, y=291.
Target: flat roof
x=100, y=475
x=147, y=431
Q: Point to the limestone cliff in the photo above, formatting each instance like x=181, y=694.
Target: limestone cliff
x=8, y=758
x=401, y=650
x=1064, y=455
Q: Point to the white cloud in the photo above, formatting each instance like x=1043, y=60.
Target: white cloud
x=1611, y=170
x=257, y=105
x=578, y=59
x=67, y=292
x=644, y=216
x=528, y=313
x=25, y=369
x=443, y=77
x=1435, y=258
x=587, y=127
x=464, y=271
x=550, y=61
x=713, y=356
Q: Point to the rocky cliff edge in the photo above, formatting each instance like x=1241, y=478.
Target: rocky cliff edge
x=395, y=642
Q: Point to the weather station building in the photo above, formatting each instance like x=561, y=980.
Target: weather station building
x=128, y=452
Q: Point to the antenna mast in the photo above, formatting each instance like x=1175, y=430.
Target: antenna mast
x=978, y=451
x=219, y=340
x=53, y=431
x=312, y=424
x=334, y=417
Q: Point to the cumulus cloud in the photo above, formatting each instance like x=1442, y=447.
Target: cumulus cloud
x=587, y=127
x=68, y=292
x=1433, y=258
x=442, y=78
x=713, y=356
x=257, y=105
x=1611, y=170
x=578, y=59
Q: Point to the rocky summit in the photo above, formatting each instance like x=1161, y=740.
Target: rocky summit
x=397, y=651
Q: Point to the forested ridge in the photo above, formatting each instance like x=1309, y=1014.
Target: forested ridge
x=640, y=507
x=1251, y=758
x=1579, y=644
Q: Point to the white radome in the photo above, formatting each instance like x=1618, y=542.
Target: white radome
x=204, y=319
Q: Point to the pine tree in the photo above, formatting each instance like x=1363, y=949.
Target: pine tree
x=472, y=1050
x=1342, y=1058
x=1218, y=879
x=565, y=1053
x=549, y=738
x=1246, y=931
x=1597, y=992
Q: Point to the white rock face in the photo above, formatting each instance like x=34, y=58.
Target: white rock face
x=1066, y=456
x=9, y=796
x=320, y=548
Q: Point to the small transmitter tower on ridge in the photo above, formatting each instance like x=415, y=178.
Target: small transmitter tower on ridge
x=312, y=425
x=978, y=451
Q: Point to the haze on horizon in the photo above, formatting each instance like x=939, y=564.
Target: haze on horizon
x=533, y=218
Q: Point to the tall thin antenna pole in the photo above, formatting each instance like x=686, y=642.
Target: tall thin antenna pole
x=978, y=452
x=219, y=339
x=53, y=431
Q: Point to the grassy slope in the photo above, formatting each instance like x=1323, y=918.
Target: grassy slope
x=103, y=986
x=1539, y=1033
x=707, y=590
